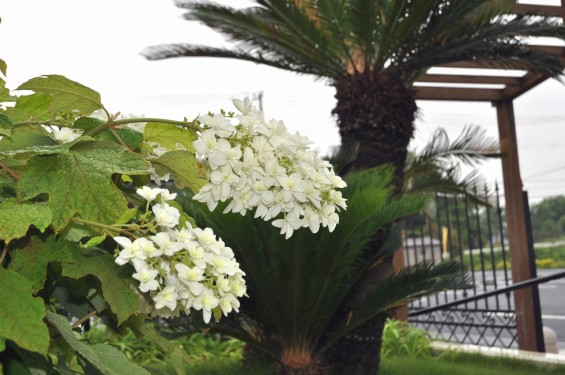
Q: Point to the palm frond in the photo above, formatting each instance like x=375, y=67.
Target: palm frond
x=435, y=167
x=471, y=146
x=498, y=42
x=408, y=284
x=277, y=33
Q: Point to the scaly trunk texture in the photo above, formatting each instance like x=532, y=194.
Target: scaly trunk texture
x=375, y=115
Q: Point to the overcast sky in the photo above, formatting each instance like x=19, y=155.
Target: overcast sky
x=97, y=43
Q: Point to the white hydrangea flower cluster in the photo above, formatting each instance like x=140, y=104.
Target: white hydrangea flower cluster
x=182, y=268
x=258, y=165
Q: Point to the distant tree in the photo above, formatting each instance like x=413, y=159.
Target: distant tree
x=548, y=218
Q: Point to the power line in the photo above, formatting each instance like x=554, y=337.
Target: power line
x=545, y=172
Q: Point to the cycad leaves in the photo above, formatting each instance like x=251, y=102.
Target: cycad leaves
x=412, y=282
x=328, y=38
x=299, y=284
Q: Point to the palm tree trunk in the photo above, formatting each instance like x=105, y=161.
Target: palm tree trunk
x=375, y=115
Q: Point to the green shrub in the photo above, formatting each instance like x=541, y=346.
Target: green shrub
x=399, y=338
x=199, y=347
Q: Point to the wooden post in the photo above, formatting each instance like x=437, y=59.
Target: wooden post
x=401, y=312
x=521, y=258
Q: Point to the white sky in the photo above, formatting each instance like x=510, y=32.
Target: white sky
x=97, y=43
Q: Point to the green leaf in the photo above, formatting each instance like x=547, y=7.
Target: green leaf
x=67, y=95
x=168, y=135
x=21, y=315
x=5, y=93
x=32, y=260
x=95, y=241
x=80, y=182
x=130, y=137
x=16, y=218
x=24, y=137
x=187, y=172
x=45, y=149
x=178, y=358
x=5, y=125
x=31, y=108
x=3, y=67
x=105, y=358
x=116, y=282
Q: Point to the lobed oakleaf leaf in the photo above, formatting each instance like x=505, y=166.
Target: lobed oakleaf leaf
x=31, y=261
x=67, y=95
x=116, y=282
x=5, y=93
x=16, y=218
x=3, y=67
x=29, y=151
x=21, y=315
x=5, y=125
x=105, y=358
x=186, y=170
x=33, y=107
x=130, y=137
x=79, y=183
x=24, y=137
x=168, y=135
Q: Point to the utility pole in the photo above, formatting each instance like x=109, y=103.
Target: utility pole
x=259, y=98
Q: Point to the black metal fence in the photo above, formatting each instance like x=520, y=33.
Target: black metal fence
x=474, y=235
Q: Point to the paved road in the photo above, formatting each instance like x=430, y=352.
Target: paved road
x=552, y=298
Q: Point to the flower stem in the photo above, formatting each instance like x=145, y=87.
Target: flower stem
x=4, y=252
x=84, y=318
x=10, y=171
x=184, y=124
x=110, y=228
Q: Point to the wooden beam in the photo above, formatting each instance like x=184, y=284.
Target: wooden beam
x=463, y=78
x=542, y=10
x=554, y=50
x=458, y=94
x=520, y=256
x=529, y=81
x=472, y=65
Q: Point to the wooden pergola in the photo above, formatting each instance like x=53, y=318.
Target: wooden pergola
x=507, y=88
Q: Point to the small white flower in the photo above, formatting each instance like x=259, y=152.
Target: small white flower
x=147, y=248
x=244, y=106
x=166, y=298
x=130, y=250
x=165, y=215
x=288, y=224
x=166, y=245
x=145, y=276
x=67, y=134
x=148, y=193
x=206, y=302
x=329, y=216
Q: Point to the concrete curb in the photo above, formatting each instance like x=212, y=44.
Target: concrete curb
x=542, y=358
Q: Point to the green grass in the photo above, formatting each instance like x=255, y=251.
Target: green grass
x=455, y=364
x=406, y=351
x=553, y=257
x=212, y=367
x=465, y=364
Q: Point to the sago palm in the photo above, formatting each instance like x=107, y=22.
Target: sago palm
x=372, y=51
x=297, y=286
